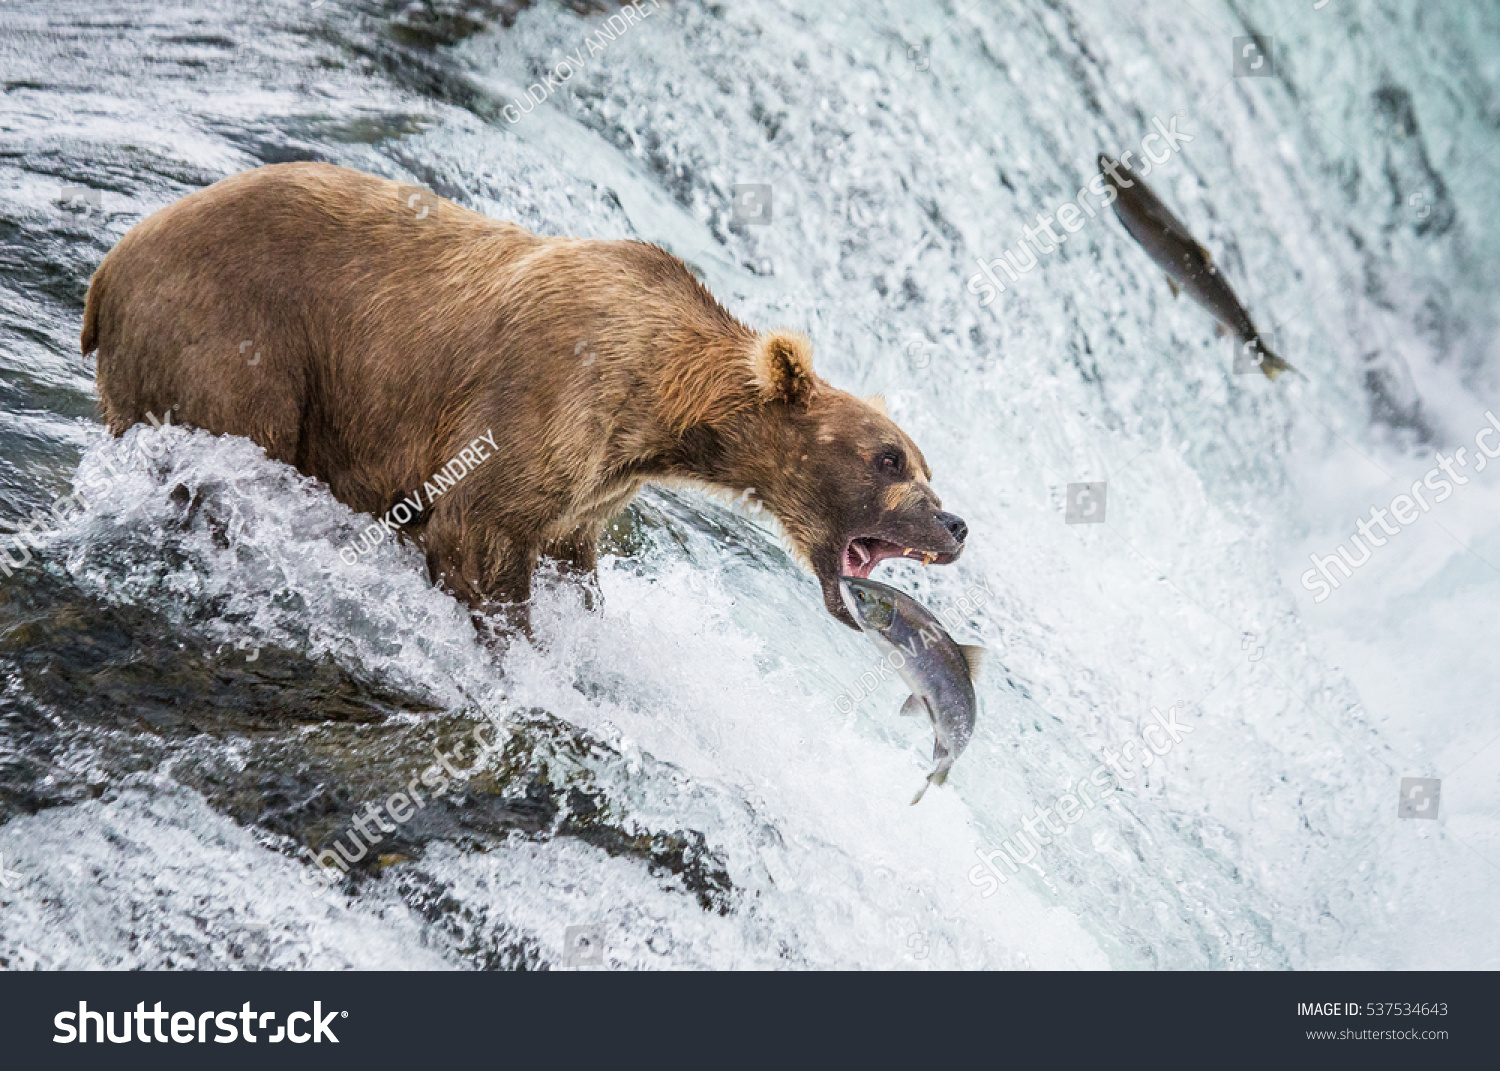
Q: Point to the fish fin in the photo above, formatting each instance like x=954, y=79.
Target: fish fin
x=1176, y=290
x=920, y=793
x=913, y=706
x=974, y=656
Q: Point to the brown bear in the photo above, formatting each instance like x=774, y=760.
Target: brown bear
x=368, y=333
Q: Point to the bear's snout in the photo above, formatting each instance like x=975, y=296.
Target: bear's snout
x=954, y=524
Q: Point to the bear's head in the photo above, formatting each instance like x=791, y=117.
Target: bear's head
x=847, y=485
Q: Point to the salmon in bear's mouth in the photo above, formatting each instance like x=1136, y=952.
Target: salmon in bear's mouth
x=863, y=554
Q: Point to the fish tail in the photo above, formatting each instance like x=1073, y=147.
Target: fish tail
x=937, y=777
x=1273, y=365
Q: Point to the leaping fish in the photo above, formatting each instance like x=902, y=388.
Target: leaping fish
x=939, y=672
x=1188, y=265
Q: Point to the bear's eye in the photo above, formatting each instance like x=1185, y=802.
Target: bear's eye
x=890, y=461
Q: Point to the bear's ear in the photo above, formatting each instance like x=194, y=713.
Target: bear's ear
x=783, y=367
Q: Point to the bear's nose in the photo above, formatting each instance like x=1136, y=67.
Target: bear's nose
x=955, y=525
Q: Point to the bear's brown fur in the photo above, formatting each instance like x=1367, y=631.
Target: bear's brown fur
x=366, y=332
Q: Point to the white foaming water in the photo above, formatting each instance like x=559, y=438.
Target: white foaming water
x=900, y=144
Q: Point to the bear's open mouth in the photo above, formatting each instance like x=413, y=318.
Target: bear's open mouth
x=863, y=554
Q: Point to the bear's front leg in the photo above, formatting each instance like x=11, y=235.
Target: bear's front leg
x=577, y=553
x=482, y=567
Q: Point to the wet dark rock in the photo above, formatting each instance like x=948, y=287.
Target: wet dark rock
x=295, y=747
x=432, y=23
x=475, y=935
x=540, y=785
